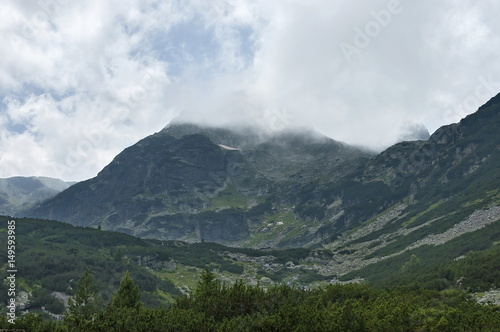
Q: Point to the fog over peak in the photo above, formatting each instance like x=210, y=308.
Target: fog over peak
x=246, y=135
x=412, y=131
x=81, y=81
x=242, y=110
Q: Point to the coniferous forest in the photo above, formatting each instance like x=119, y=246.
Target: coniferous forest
x=87, y=265
x=214, y=306
x=242, y=165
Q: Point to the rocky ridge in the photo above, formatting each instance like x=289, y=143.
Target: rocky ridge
x=20, y=193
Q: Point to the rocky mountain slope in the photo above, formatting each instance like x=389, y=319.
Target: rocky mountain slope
x=458, y=166
x=436, y=200
x=422, y=213
x=192, y=183
x=243, y=188
x=21, y=193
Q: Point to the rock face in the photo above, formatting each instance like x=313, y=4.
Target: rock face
x=193, y=183
x=458, y=162
x=244, y=188
x=20, y=193
x=491, y=297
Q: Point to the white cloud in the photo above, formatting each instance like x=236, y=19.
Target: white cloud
x=80, y=81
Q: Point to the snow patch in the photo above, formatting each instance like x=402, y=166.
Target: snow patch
x=229, y=148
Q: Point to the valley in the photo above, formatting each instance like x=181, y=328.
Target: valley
x=296, y=210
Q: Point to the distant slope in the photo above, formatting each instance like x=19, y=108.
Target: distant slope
x=436, y=199
x=54, y=255
x=183, y=184
x=292, y=189
x=459, y=165
x=20, y=193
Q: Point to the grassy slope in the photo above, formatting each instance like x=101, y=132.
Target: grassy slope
x=54, y=255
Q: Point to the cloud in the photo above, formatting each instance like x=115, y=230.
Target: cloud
x=80, y=81
x=82, y=67
x=399, y=74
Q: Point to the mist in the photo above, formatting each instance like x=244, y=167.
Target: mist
x=79, y=82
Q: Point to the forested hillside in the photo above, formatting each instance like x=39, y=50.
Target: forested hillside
x=409, y=293
x=214, y=306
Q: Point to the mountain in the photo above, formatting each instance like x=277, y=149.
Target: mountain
x=436, y=199
x=413, y=131
x=20, y=193
x=424, y=214
x=457, y=160
x=243, y=188
x=191, y=183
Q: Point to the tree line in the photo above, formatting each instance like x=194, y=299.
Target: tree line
x=214, y=306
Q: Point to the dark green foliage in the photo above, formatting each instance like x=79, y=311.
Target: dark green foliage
x=217, y=307
x=55, y=255
x=438, y=268
x=300, y=277
x=86, y=304
x=198, y=254
x=294, y=255
x=127, y=296
x=42, y=297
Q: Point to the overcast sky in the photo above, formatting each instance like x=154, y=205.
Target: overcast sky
x=82, y=80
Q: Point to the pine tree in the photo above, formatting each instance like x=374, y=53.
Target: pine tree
x=210, y=295
x=86, y=303
x=128, y=295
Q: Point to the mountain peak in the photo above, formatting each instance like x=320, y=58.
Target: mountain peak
x=241, y=136
x=413, y=131
x=18, y=193
x=190, y=181
x=493, y=101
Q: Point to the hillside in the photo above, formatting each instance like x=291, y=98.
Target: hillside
x=21, y=193
x=51, y=255
x=191, y=183
x=459, y=162
x=250, y=287
x=415, y=195
x=437, y=199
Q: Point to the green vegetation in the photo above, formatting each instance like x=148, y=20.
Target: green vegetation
x=214, y=306
x=437, y=267
x=228, y=198
x=127, y=296
x=42, y=297
x=430, y=208
x=445, y=214
x=280, y=229
x=86, y=303
x=53, y=255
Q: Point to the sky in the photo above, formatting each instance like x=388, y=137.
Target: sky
x=82, y=80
